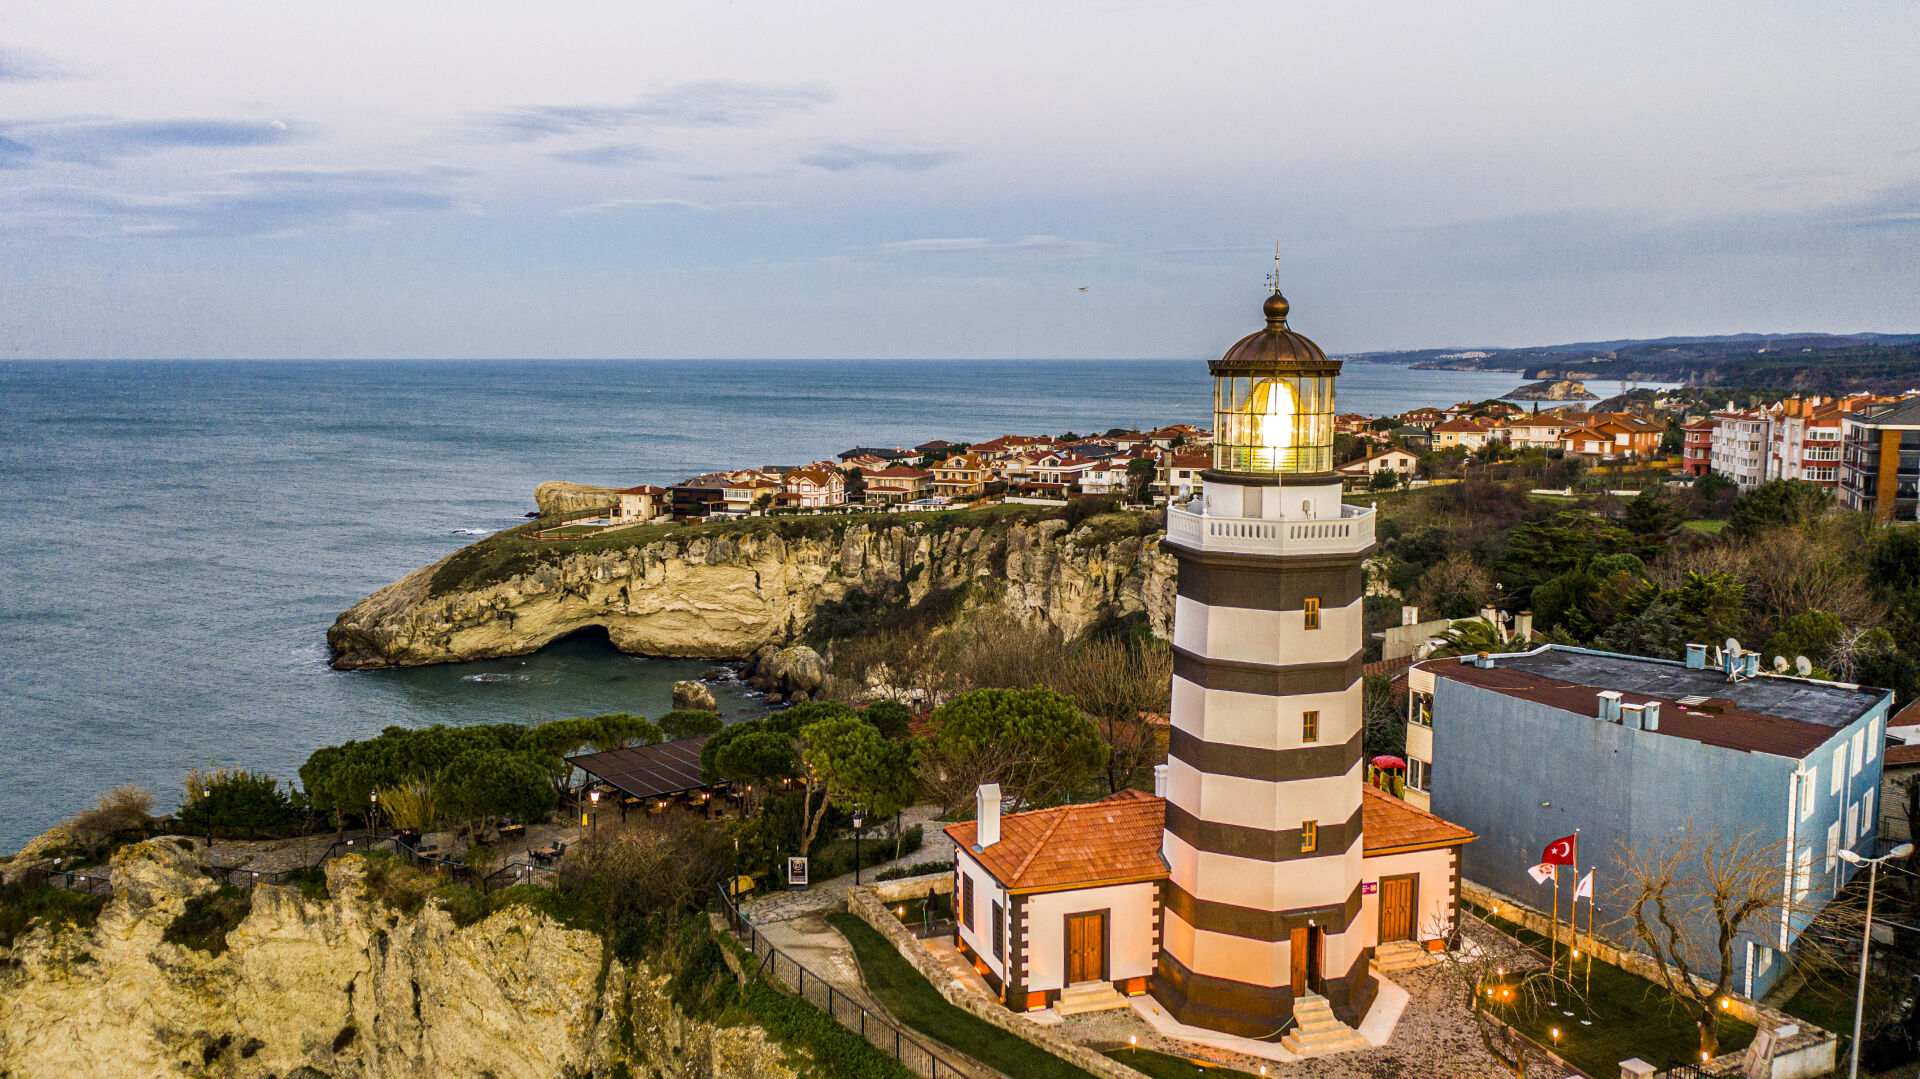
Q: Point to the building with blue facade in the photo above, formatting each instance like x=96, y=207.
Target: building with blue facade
x=1527, y=747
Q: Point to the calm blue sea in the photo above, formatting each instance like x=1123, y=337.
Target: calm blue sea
x=176, y=537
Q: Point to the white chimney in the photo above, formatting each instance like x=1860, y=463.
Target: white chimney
x=1651, y=711
x=1409, y=616
x=1609, y=705
x=1523, y=627
x=1632, y=715
x=1159, y=781
x=987, y=816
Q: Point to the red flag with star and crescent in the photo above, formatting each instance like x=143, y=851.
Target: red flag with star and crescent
x=1561, y=851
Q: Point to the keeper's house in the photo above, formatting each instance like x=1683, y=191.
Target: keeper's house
x=1067, y=901
x=1526, y=747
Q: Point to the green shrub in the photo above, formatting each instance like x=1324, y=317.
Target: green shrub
x=901, y=872
x=237, y=802
x=23, y=906
x=208, y=918
x=311, y=880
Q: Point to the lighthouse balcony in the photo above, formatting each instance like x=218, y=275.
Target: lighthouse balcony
x=1189, y=526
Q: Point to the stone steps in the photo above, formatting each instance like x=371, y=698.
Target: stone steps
x=1401, y=955
x=1316, y=1031
x=1088, y=997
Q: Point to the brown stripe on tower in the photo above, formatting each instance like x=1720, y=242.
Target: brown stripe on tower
x=1271, y=765
x=1256, y=924
x=1260, y=844
x=1266, y=679
x=1255, y=583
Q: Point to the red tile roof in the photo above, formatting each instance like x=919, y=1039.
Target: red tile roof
x=1901, y=756
x=1391, y=826
x=1073, y=846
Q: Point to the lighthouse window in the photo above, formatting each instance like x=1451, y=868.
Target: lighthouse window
x=1309, y=836
x=1310, y=726
x=1313, y=614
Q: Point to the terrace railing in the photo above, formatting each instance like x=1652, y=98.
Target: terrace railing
x=916, y=1055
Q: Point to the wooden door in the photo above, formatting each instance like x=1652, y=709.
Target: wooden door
x=1086, y=948
x=1299, y=956
x=1396, y=908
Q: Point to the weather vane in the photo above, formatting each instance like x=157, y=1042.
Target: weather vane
x=1273, y=279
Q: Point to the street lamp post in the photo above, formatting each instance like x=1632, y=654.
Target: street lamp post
x=593, y=796
x=858, y=820
x=373, y=813
x=206, y=804
x=1866, y=941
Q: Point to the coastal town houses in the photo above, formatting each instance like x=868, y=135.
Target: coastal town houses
x=1740, y=446
x=1696, y=447
x=1471, y=434
x=880, y=457
x=1803, y=441
x=897, y=484
x=1179, y=472
x=962, y=476
x=1397, y=461
x=1881, y=459
x=642, y=503
x=1109, y=477
x=813, y=488
x=1422, y=417
x=1179, y=435
x=699, y=496
x=750, y=492
x=1525, y=747
x=1008, y=445
x=1536, y=431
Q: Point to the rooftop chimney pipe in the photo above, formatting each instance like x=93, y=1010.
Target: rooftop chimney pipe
x=1609, y=705
x=1651, y=715
x=987, y=816
x=1409, y=616
x=1696, y=657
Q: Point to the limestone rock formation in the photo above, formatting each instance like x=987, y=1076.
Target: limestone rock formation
x=558, y=496
x=343, y=987
x=728, y=595
x=1554, y=390
x=694, y=696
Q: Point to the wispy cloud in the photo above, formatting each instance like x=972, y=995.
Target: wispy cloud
x=605, y=156
x=982, y=243
x=14, y=154
x=103, y=142
x=844, y=157
x=631, y=205
x=262, y=203
x=696, y=104
x=23, y=64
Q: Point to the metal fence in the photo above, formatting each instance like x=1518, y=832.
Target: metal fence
x=912, y=1053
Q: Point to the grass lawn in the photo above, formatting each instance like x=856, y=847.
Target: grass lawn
x=1709, y=527
x=1559, y=499
x=1827, y=999
x=1162, y=1066
x=1629, y=1016
x=914, y=1001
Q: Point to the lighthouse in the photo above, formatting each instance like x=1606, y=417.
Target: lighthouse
x=1262, y=840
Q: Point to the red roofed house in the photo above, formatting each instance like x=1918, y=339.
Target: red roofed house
x=901, y=483
x=1472, y=434
x=1696, y=447
x=813, y=488
x=1108, y=477
x=1062, y=907
x=1180, y=472
x=642, y=503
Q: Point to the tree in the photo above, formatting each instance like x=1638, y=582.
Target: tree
x=1456, y=587
x=891, y=718
x=125, y=812
x=1385, y=479
x=750, y=755
x=843, y=757
x=1814, y=634
x=1033, y=742
x=485, y=785
x=1688, y=899
x=1140, y=474
x=1385, y=721
x=690, y=723
x=1487, y=975
x=237, y=800
x=1651, y=517
x=1777, y=503
x=552, y=742
x=1119, y=685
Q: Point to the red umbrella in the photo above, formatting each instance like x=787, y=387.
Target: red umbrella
x=1388, y=760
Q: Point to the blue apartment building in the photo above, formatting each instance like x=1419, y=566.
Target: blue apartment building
x=1524, y=748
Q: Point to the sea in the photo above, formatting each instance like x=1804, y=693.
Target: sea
x=176, y=536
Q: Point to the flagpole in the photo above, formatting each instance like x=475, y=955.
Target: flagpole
x=1590, y=892
x=1553, y=942
x=1573, y=909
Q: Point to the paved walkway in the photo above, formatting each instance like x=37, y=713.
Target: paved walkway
x=831, y=895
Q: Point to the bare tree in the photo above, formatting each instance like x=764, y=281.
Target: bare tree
x=1689, y=898
x=1488, y=973
x=1120, y=685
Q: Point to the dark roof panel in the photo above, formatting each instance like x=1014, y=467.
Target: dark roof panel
x=647, y=771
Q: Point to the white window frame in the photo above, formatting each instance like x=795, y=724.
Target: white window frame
x=1833, y=850
x=1804, y=786
x=1802, y=873
x=1839, y=770
x=1866, y=810
x=1873, y=739
x=1853, y=823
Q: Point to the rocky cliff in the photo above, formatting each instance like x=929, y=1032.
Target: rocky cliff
x=1565, y=389
x=724, y=594
x=342, y=987
x=556, y=497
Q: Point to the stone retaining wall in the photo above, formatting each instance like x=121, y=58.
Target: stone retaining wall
x=893, y=891
x=871, y=909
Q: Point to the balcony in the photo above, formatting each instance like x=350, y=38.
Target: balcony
x=1351, y=531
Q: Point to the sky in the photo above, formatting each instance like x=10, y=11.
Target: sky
x=1063, y=179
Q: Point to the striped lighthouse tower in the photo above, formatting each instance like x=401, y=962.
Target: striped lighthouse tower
x=1264, y=770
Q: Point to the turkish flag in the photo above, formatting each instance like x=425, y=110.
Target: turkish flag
x=1561, y=851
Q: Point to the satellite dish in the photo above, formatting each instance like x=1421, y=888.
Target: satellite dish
x=1803, y=665
x=1733, y=646
x=1780, y=664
